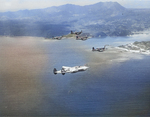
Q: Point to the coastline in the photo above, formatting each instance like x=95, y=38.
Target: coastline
x=27, y=80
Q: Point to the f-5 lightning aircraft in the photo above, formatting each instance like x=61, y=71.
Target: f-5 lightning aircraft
x=77, y=33
x=66, y=69
x=81, y=38
x=58, y=37
x=99, y=49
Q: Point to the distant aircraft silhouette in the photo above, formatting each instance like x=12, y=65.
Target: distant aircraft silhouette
x=77, y=33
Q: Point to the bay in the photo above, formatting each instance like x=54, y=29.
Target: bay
x=116, y=84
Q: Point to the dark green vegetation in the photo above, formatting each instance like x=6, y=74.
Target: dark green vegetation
x=143, y=44
x=101, y=19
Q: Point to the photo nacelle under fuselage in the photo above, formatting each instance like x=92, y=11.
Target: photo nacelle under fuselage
x=66, y=69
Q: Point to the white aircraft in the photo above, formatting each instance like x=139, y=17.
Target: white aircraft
x=66, y=69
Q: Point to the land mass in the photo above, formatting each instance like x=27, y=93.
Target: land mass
x=100, y=19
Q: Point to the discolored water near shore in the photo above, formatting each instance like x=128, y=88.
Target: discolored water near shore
x=116, y=83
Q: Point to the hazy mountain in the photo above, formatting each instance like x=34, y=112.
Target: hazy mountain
x=65, y=12
x=101, y=19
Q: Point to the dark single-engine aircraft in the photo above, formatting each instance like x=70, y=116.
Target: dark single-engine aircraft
x=77, y=33
x=81, y=38
x=66, y=69
x=99, y=49
x=58, y=37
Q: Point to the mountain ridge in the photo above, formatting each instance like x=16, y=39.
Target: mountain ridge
x=100, y=19
x=68, y=9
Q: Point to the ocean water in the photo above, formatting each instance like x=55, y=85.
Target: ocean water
x=28, y=86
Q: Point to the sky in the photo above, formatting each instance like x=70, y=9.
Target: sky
x=15, y=5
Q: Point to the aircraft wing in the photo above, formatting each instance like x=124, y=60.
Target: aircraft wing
x=65, y=67
x=70, y=69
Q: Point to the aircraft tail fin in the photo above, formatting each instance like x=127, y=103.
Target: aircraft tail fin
x=55, y=71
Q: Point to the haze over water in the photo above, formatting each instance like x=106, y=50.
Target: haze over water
x=116, y=84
